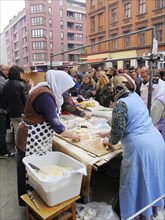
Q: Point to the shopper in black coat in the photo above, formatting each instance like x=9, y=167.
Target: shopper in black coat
x=15, y=93
x=4, y=152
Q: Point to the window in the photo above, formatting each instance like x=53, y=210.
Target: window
x=142, y=6
x=93, y=23
x=25, y=50
x=70, y=14
x=78, y=27
x=100, y=19
x=78, y=16
x=62, y=46
x=24, y=31
x=61, y=24
x=141, y=39
x=70, y=46
x=51, y=46
x=50, y=11
x=15, y=37
x=101, y=45
x=114, y=42
x=62, y=35
x=24, y=40
x=16, y=46
x=37, y=21
x=70, y=25
x=39, y=56
x=61, y=13
x=37, y=8
x=38, y=33
x=70, y=36
x=50, y=22
x=50, y=34
x=39, y=45
x=16, y=53
x=126, y=39
x=23, y=20
x=79, y=37
x=25, y=60
x=93, y=48
x=71, y=57
x=127, y=10
x=15, y=27
x=159, y=4
x=62, y=57
x=114, y=14
x=17, y=61
x=159, y=32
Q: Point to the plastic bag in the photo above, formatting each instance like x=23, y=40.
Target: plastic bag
x=95, y=211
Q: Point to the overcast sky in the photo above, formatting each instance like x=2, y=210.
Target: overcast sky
x=8, y=9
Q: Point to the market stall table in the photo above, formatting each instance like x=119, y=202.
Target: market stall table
x=90, y=150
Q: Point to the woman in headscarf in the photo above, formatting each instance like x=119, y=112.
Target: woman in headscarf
x=142, y=176
x=158, y=106
x=40, y=121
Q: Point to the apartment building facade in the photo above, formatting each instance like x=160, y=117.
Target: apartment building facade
x=107, y=19
x=43, y=28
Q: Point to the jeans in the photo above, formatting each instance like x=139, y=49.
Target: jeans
x=3, y=127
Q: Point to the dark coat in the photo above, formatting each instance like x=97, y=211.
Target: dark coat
x=86, y=90
x=104, y=96
x=15, y=94
x=3, y=80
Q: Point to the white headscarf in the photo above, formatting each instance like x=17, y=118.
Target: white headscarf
x=158, y=89
x=59, y=82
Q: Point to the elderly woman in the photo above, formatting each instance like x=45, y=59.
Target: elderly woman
x=142, y=177
x=40, y=120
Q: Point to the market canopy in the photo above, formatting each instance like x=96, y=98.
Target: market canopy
x=95, y=60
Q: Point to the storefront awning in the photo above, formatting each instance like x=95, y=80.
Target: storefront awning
x=95, y=60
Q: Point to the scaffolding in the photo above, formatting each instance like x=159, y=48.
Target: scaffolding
x=152, y=58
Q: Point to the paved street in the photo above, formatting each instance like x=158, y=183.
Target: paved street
x=103, y=189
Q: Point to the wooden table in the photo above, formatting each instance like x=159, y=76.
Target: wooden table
x=92, y=158
x=63, y=211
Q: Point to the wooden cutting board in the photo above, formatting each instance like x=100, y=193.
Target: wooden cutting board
x=90, y=142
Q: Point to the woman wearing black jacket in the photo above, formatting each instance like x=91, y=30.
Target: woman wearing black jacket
x=103, y=93
x=15, y=94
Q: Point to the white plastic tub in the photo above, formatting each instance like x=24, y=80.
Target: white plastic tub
x=55, y=191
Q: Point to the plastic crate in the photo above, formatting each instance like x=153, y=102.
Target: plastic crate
x=57, y=191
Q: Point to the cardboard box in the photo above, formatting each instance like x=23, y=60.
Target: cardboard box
x=55, y=191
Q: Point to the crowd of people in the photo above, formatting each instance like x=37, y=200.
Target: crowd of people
x=34, y=112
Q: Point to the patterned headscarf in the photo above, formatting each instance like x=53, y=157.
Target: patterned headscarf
x=123, y=85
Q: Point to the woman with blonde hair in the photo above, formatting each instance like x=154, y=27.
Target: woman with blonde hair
x=87, y=86
x=103, y=93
